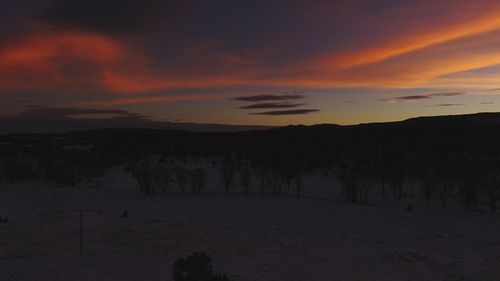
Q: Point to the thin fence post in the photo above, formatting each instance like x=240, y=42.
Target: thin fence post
x=81, y=233
x=81, y=211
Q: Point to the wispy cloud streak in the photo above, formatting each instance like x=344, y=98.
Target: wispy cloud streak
x=422, y=97
x=271, y=105
x=287, y=112
x=259, y=98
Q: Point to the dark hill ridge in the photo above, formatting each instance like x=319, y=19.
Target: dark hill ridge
x=487, y=119
x=126, y=132
x=451, y=121
x=477, y=120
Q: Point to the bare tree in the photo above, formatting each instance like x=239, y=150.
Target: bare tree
x=181, y=177
x=490, y=187
x=245, y=178
x=198, y=180
x=228, y=170
x=443, y=180
x=299, y=184
x=146, y=176
x=354, y=176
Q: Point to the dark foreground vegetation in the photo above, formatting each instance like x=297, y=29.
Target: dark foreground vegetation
x=432, y=158
x=196, y=267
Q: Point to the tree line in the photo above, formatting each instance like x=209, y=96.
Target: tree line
x=455, y=163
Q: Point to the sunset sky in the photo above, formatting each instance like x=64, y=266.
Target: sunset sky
x=258, y=62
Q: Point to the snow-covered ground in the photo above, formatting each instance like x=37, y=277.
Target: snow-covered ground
x=317, y=237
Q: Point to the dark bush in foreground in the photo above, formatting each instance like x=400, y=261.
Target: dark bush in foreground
x=196, y=267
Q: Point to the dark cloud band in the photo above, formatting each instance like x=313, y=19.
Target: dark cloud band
x=287, y=112
x=423, y=97
x=260, y=98
x=450, y=104
x=271, y=105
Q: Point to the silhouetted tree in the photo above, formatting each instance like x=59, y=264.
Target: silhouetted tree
x=443, y=180
x=152, y=175
x=144, y=173
x=19, y=167
x=164, y=173
x=469, y=182
x=198, y=180
x=228, y=169
x=299, y=185
x=270, y=180
x=427, y=188
x=245, y=178
x=392, y=171
x=354, y=177
x=181, y=177
x=490, y=187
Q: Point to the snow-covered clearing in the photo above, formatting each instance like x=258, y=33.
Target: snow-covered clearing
x=317, y=237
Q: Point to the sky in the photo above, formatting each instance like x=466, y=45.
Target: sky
x=262, y=62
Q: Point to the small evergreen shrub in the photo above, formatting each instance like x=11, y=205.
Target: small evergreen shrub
x=196, y=267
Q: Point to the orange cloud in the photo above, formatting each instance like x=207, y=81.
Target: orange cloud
x=148, y=81
x=413, y=42
x=429, y=67
x=61, y=60
x=82, y=61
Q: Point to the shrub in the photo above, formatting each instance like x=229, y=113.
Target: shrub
x=196, y=267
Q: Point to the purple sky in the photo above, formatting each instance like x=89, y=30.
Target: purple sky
x=248, y=62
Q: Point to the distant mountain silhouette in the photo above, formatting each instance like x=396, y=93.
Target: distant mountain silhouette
x=487, y=119
x=105, y=132
x=92, y=128
x=40, y=119
x=445, y=121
